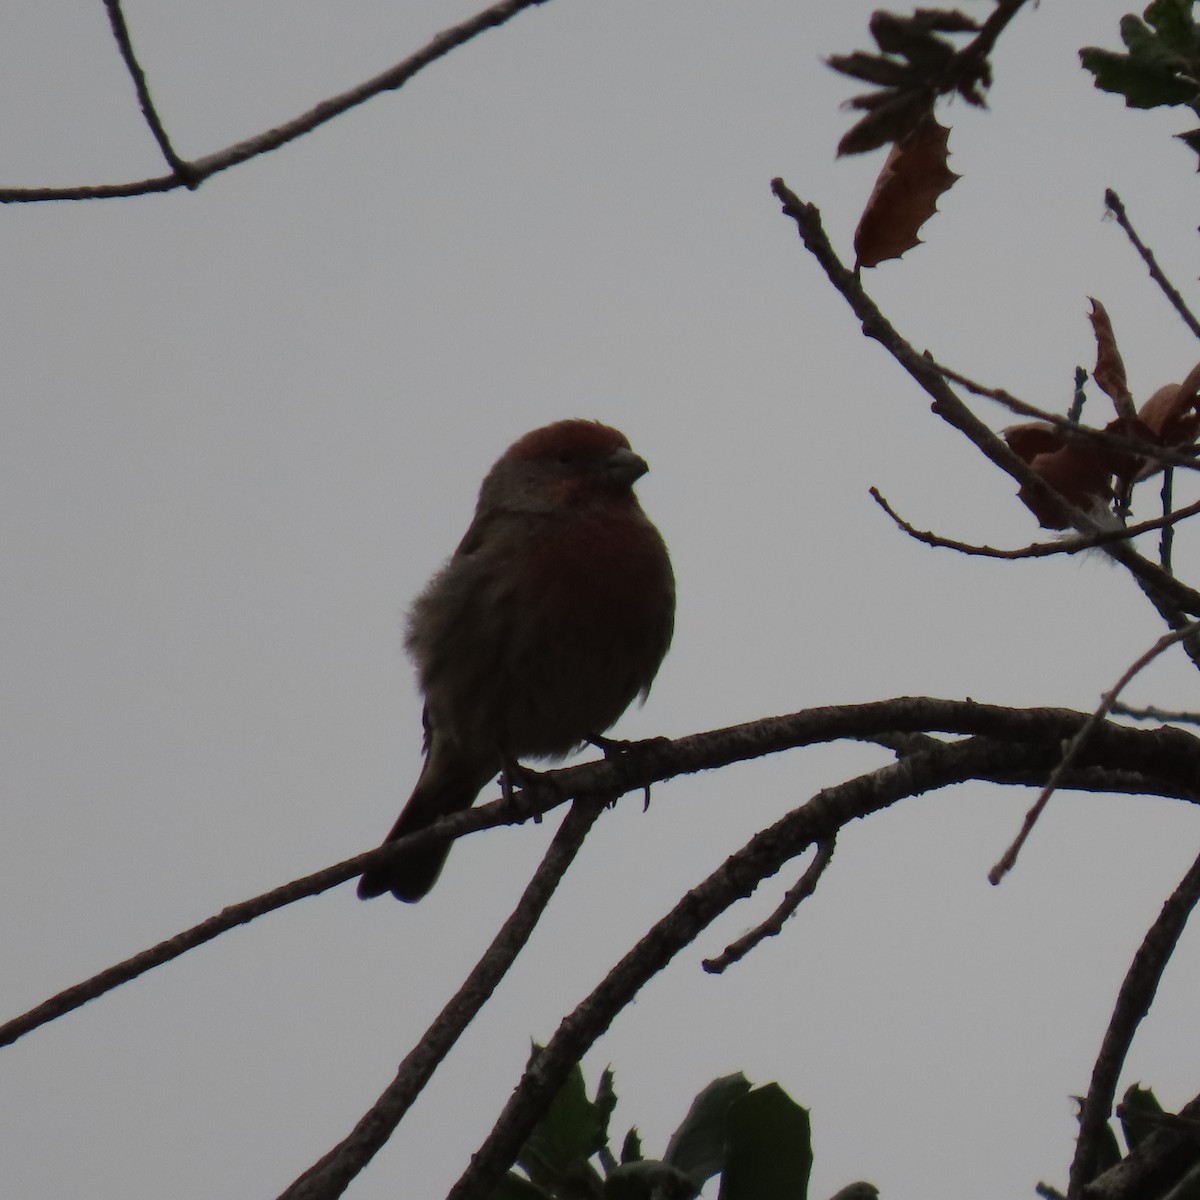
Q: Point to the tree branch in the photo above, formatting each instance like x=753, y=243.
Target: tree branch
x=773, y=925
x=1079, y=739
x=1133, y=1002
x=1067, y=545
x=762, y=856
x=1171, y=598
x=1167, y=760
x=332, y=1174
x=1113, y=203
x=116, y=18
x=194, y=172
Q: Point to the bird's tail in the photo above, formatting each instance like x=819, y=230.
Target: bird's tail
x=441, y=790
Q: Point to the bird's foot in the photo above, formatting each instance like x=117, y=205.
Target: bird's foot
x=524, y=803
x=621, y=748
x=609, y=747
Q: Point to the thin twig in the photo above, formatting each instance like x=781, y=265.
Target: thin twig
x=1151, y=713
x=773, y=925
x=238, y=914
x=1167, y=540
x=1072, y=430
x=200, y=169
x=331, y=1174
x=993, y=27
x=1073, y=544
x=1170, y=597
x=1113, y=203
x=1133, y=1002
x=1076, y=744
x=182, y=168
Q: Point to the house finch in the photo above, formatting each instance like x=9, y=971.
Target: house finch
x=554, y=612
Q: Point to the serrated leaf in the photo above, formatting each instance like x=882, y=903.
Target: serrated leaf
x=1175, y=25
x=631, y=1147
x=697, y=1147
x=905, y=195
x=1143, y=85
x=572, y=1130
x=1136, y=1102
x=770, y=1148
x=605, y=1101
x=649, y=1180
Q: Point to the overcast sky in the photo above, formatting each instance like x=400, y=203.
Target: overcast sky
x=242, y=426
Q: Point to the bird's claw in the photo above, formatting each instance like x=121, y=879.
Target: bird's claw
x=512, y=774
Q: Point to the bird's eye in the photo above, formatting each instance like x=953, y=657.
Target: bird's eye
x=567, y=458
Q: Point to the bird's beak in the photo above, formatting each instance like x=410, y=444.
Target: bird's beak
x=624, y=467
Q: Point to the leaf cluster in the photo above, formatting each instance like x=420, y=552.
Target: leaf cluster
x=1162, y=64
x=1141, y=1116
x=756, y=1139
x=915, y=64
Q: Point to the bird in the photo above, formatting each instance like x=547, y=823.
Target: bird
x=550, y=618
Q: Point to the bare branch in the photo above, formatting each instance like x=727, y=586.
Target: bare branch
x=332, y=1174
x=773, y=925
x=1067, y=545
x=1166, y=761
x=1073, y=430
x=1151, y=713
x=1113, y=203
x=1133, y=1002
x=1174, y=601
x=763, y=855
x=1076, y=744
x=196, y=171
x=116, y=19
x=1166, y=591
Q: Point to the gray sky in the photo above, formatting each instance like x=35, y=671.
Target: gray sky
x=241, y=428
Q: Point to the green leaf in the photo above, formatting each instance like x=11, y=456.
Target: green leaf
x=631, y=1147
x=649, y=1180
x=573, y=1129
x=606, y=1099
x=697, y=1147
x=1175, y=25
x=1143, y=85
x=770, y=1148
x=1136, y=1102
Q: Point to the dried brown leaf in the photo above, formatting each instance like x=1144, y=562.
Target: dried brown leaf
x=1081, y=472
x=1110, y=370
x=905, y=194
x=1170, y=412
